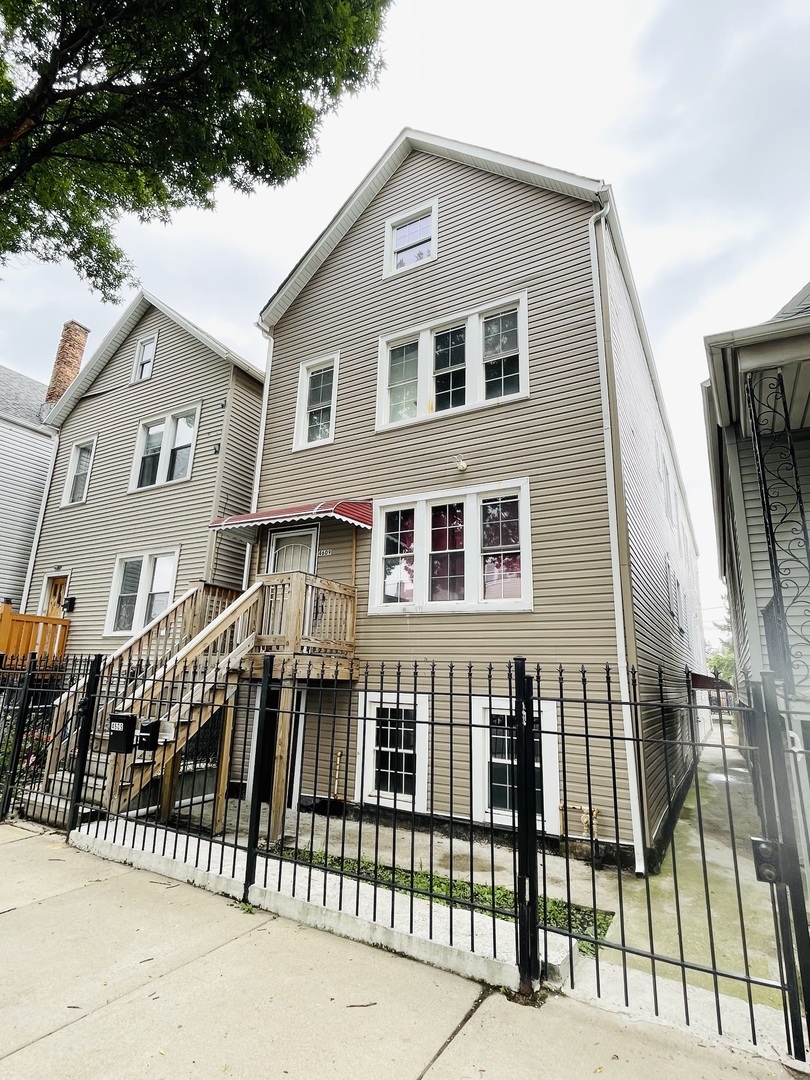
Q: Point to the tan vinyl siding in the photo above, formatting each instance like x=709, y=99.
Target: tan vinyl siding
x=660, y=553
x=496, y=237
x=240, y=439
x=85, y=539
x=25, y=455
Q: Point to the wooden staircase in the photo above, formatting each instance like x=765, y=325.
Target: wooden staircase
x=181, y=671
x=137, y=678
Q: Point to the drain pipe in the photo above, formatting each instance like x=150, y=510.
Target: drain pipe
x=615, y=563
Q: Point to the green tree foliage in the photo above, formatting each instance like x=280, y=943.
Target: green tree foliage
x=110, y=107
x=721, y=659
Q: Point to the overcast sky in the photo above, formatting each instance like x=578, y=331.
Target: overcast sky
x=692, y=109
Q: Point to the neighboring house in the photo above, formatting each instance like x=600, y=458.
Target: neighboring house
x=26, y=451
x=156, y=435
x=757, y=406
x=464, y=430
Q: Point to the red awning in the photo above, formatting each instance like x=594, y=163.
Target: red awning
x=352, y=511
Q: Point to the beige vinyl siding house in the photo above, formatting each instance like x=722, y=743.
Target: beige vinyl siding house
x=157, y=435
x=460, y=353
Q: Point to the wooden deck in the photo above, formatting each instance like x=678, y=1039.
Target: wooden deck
x=22, y=635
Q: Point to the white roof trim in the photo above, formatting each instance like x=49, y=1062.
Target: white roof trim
x=719, y=347
x=527, y=172
x=116, y=337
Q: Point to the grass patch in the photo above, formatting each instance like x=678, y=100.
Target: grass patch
x=461, y=894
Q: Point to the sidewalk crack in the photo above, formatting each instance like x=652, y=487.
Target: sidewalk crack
x=486, y=992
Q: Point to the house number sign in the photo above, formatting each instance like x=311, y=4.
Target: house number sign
x=324, y=551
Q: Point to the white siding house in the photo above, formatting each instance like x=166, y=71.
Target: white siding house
x=26, y=453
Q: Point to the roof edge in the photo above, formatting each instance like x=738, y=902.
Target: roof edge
x=409, y=139
x=116, y=336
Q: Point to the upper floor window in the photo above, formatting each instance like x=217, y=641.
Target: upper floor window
x=317, y=399
x=164, y=449
x=411, y=239
x=462, y=550
x=475, y=359
x=78, y=475
x=144, y=358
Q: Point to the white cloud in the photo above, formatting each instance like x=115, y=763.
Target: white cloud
x=693, y=110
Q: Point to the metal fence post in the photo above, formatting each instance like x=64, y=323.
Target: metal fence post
x=255, y=779
x=23, y=712
x=526, y=810
x=775, y=730
x=85, y=711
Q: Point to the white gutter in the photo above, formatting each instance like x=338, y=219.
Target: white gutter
x=254, y=498
x=262, y=422
x=38, y=531
x=615, y=560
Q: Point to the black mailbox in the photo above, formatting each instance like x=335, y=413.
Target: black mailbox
x=122, y=732
x=148, y=735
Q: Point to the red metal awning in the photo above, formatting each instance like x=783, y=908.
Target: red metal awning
x=352, y=511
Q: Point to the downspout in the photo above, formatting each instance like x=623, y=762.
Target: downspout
x=615, y=562
x=40, y=520
x=254, y=498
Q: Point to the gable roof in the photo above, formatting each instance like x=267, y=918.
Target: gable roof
x=798, y=305
x=527, y=172
x=21, y=397
x=116, y=337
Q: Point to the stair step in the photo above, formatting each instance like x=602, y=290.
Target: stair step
x=62, y=785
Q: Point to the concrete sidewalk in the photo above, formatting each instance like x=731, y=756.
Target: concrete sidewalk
x=111, y=972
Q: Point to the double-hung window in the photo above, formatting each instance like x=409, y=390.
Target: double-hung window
x=316, y=404
x=495, y=763
x=393, y=750
x=144, y=358
x=460, y=551
x=412, y=238
x=142, y=588
x=78, y=474
x=164, y=449
x=476, y=359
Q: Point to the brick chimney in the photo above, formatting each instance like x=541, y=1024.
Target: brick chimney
x=67, y=363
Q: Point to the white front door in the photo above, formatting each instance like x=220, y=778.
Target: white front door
x=290, y=551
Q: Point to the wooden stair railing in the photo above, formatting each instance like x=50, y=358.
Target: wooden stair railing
x=145, y=651
x=187, y=716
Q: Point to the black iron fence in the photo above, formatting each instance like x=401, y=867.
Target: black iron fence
x=568, y=825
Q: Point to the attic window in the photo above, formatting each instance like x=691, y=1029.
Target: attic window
x=144, y=358
x=411, y=239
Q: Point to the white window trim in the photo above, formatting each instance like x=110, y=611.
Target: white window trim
x=474, y=362
x=548, y=816
x=431, y=207
x=138, y=623
x=165, y=448
x=312, y=532
x=472, y=550
x=301, y=425
x=71, y=473
x=366, y=745
x=140, y=345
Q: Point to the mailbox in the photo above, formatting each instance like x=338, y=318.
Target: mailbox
x=148, y=736
x=122, y=733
